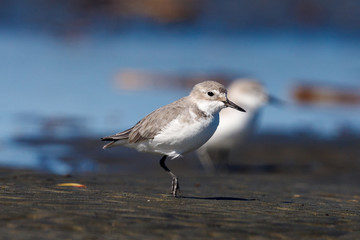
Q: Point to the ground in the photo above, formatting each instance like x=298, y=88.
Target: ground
x=211, y=205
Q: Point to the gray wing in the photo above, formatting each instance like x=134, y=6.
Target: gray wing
x=151, y=125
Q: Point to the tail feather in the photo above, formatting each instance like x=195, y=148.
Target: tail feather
x=114, y=138
x=109, y=138
x=108, y=145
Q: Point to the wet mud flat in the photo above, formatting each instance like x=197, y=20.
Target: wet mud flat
x=136, y=205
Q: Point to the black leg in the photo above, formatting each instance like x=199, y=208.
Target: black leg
x=175, y=183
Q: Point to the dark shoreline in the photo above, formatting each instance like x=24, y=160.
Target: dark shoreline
x=268, y=152
x=136, y=206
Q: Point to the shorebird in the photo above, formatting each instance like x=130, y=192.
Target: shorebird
x=179, y=127
x=235, y=128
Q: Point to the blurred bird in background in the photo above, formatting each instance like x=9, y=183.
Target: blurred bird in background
x=234, y=127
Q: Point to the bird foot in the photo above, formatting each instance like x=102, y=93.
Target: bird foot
x=175, y=186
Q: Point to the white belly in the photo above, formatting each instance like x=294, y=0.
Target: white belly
x=181, y=137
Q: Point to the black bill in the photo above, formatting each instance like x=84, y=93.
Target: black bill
x=229, y=103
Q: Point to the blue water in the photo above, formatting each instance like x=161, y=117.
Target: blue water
x=46, y=76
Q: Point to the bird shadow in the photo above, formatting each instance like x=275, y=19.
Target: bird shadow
x=219, y=198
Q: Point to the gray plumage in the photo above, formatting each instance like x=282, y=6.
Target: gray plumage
x=152, y=124
x=148, y=127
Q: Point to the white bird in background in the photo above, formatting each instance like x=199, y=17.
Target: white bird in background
x=234, y=127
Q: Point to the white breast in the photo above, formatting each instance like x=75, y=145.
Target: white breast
x=181, y=136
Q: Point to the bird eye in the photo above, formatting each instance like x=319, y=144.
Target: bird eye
x=210, y=94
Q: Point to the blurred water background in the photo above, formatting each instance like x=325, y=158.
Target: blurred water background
x=63, y=64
